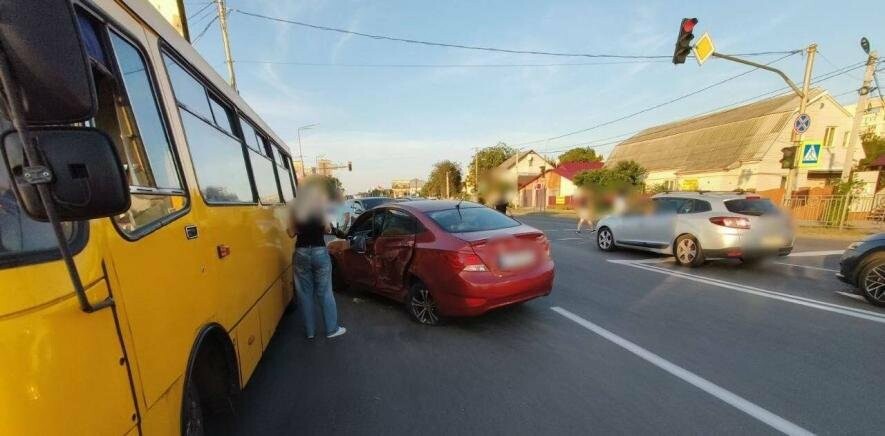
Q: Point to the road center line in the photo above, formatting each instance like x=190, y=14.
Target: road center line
x=802, y=301
x=569, y=239
x=807, y=266
x=815, y=253
x=689, y=377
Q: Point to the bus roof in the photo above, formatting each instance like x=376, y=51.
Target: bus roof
x=152, y=19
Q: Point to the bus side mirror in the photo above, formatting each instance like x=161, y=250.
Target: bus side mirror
x=85, y=177
x=44, y=51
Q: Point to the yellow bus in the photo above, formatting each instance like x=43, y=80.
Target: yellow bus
x=172, y=298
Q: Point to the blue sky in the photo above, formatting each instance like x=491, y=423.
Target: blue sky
x=395, y=122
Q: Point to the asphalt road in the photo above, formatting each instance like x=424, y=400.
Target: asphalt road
x=627, y=343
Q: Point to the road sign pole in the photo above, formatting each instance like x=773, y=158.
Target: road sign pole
x=793, y=175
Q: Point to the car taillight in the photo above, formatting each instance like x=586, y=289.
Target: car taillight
x=466, y=259
x=731, y=221
x=545, y=245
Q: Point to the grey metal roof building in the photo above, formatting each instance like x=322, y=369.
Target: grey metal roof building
x=715, y=142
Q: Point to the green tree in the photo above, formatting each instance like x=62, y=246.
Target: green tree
x=377, y=192
x=624, y=175
x=331, y=184
x=873, y=147
x=488, y=158
x=579, y=154
x=436, y=182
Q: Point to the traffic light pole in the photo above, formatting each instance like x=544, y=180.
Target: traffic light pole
x=793, y=175
x=796, y=138
x=761, y=67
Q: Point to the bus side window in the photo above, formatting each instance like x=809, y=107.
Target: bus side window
x=217, y=155
x=262, y=167
x=144, y=143
x=283, y=165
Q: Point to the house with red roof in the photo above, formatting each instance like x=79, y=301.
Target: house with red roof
x=555, y=187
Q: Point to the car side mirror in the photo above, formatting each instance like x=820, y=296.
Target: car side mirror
x=45, y=53
x=358, y=243
x=83, y=173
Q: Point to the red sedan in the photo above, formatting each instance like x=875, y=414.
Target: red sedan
x=443, y=258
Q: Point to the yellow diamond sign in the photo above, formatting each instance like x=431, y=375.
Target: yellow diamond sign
x=703, y=49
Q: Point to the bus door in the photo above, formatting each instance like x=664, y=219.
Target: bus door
x=156, y=262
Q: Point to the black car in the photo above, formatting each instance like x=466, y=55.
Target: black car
x=863, y=266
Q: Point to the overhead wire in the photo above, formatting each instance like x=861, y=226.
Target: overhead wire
x=651, y=108
x=191, y=16
x=474, y=47
x=606, y=141
x=567, y=64
x=205, y=29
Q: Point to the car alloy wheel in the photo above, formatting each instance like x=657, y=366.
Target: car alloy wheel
x=874, y=284
x=688, y=251
x=423, y=307
x=604, y=239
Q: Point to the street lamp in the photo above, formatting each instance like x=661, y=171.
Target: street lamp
x=300, y=151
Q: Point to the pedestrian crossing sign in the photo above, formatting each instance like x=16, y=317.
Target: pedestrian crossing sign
x=810, y=154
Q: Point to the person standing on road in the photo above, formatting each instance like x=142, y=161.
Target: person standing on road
x=313, y=266
x=585, y=212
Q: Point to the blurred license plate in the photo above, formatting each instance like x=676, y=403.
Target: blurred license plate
x=773, y=241
x=516, y=259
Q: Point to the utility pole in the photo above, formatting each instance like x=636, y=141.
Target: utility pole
x=225, y=38
x=476, y=172
x=447, y=185
x=863, y=99
x=793, y=175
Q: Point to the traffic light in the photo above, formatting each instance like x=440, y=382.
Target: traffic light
x=788, y=161
x=349, y=166
x=683, y=41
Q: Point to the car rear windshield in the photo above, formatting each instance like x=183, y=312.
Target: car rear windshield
x=471, y=219
x=751, y=206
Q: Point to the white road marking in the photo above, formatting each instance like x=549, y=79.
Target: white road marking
x=569, y=239
x=851, y=295
x=691, y=378
x=802, y=301
x=807, y=266
x=815, y=253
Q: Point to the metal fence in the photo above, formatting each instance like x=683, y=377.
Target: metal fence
x=860, y=211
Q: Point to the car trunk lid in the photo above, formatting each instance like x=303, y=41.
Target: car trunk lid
x=509, y=250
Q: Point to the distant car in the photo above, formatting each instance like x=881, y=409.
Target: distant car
x=695, y=226
x=863, y=266
x=359, y=205
x=443, y=258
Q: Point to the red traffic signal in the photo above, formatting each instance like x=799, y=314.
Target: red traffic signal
x=688, y=24
x=683, y=41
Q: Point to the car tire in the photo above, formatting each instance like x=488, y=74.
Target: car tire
x=421, y=305
x=871, y=279
x=605, y=239
x=688, y=252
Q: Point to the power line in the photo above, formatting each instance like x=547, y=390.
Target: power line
x=651, y=108
x=191, y=17
x=473, y=47
x=205, y=29
x=826, y=76
x=572, y=64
